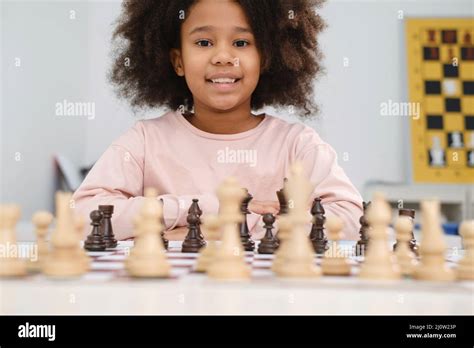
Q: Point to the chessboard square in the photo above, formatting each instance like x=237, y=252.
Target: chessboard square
x=434, y=122
x=450, y=70
x=433, y=105
x=432, y=71
x=453, y=122
x=468, y=87
x=470, y=158
x=468, y=105
x=436, y=158
x=455, y=139
x=469, y=122
x=467, y=53
x=469, y=139
x=430, y=53
x=455, y=158
x=449, y=36
x=436, y=139
x=432, y=87
x=450, y=87
x=431, y=37
x=452, y=104
x=466, y=70
x=448, y=53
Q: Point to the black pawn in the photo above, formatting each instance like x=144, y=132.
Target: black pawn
x=268, y=244
x=317, y=236
x=411, y=214
x=95, y=240
x=192, y=242
x=106, y=226
x=363, y=242
x=247, y=242
x=195, y=209
x=165, y=241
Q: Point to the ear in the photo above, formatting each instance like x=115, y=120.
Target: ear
x=176, y=61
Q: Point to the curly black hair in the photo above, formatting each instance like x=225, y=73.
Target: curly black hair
x=286, y=34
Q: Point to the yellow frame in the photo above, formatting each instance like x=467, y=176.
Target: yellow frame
x=454, y=171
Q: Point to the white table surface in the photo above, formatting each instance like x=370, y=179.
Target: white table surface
x=197, y=294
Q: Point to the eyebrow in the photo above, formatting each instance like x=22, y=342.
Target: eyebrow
x=208, y=28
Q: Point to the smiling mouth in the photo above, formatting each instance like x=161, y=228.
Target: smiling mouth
x=223, y=81
x=224, y=86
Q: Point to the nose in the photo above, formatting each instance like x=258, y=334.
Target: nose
x=223, y=57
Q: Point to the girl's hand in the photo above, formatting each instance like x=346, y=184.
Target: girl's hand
x=264, y=207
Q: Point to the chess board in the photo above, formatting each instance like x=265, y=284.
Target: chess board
x=441, y=79
x=109, y=265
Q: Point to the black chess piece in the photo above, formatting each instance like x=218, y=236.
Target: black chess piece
x=95, y=240
x=192, y=242
x=163, y=238
x=247, y=242
x=411, y=214
x=363, y=242
x=106, y=226
x=195, y=209
x=268, y=245
x=283, y=206
x=317, y=235
x=282, y=200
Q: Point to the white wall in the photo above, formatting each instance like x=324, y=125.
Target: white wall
x=68, y=59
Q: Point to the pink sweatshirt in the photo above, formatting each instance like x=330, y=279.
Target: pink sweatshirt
x=183, y=162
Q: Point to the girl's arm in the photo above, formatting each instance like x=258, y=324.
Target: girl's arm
x=117, y=179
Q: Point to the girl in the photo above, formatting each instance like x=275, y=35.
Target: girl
x=212, y=62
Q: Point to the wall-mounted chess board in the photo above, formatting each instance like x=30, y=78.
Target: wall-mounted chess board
x=441, y=78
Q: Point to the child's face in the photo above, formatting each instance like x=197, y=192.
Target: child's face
x=220, y=50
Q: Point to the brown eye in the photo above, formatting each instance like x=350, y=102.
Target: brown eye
x=242, y=41
x=206, y=41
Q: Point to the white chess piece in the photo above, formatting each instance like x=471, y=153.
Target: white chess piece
x=379, y=263
x=148, y=259
x=11, y=265
x=456, y=140
x=405, y=256
x=299, y=259
x=229, y=262
x=432, y=246
x=210, y=229
x=64, y=259
x=437, y=153
x=41, y=220
x=333, y=263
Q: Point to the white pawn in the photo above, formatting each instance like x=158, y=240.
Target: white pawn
x=10, y=265
x=406, y=258
x=333, y=263
x=64, y=260
x=299, y=260
x=148, y=259
x=380, y=263
x=41, y=220
x=432, y=246
x=465, y=270
x=229, y=262
x=210, y=228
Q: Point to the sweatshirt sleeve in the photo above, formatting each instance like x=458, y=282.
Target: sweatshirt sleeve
x=117, y=179
x=338, y=195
